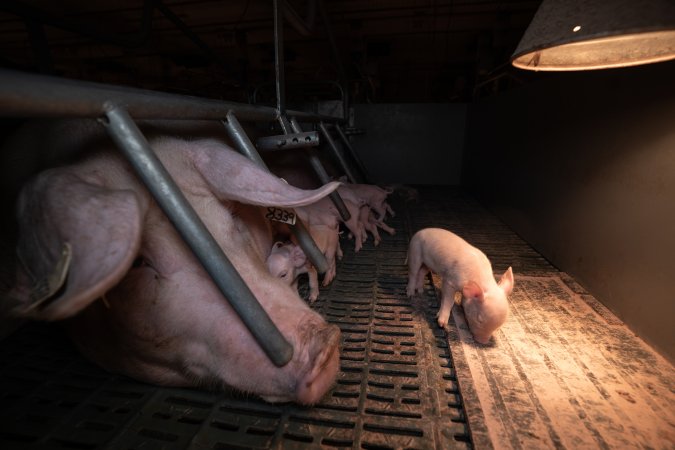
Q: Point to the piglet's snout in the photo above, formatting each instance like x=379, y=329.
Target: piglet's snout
x=323, y=362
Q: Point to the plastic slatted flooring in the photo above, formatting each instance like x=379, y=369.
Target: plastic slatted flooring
x=396, y=388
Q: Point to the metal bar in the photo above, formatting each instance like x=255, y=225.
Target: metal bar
x=307, y=244
x=134, y=146
x=246, y=147
x=241, y=140
x=315, y=162
x=29, y=95
x=288, y=141
x=285, y=124
x=356, y=158
x=279, y=57
x=336, y=151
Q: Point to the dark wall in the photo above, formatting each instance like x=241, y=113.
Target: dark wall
x=411, y=143
x=582, y=165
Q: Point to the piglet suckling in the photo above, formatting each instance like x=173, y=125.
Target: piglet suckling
x=465, y=269
x=287, y=261
x=163, y=320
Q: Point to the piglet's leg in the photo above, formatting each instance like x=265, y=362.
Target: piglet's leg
x=386, y=227
x=313, y=283
x=389, y=210
x=415, y=266
x=447, y=301
x=421, y=274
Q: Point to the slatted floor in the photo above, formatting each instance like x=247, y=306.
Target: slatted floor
x=399, y=386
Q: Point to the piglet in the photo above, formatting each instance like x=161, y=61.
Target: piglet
x=287, y=261
x=464, y=269
x=373, y=196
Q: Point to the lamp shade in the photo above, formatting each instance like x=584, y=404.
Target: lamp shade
x=597, y=34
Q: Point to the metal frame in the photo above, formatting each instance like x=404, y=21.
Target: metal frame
x=292, y=126
x=29, y=95
x=246, y=147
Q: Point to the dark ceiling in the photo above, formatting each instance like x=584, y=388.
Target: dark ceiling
x=389, y=50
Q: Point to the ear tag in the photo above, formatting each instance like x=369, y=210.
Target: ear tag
x=280, y=215
x=45, y=288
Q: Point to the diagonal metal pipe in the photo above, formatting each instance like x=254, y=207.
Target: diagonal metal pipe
x=246, y=147
x=157, y=179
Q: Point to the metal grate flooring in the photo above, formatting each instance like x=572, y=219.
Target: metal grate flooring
x=396, y=389
x=563, y=371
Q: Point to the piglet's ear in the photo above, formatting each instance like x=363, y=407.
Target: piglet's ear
x=77, y=240
x=507, y=281
x=298, y=256
x=472, y=290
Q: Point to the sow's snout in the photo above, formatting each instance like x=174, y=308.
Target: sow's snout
x=324, y=353
x=315, y=364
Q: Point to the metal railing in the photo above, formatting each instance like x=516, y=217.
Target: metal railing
x=30, y=95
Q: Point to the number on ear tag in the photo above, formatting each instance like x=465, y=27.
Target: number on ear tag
x=280, y=215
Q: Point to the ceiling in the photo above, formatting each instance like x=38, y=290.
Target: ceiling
x=387, y=50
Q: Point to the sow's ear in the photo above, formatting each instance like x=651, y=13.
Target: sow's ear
x=232, y=176
x=506, y=282
x=77, y=240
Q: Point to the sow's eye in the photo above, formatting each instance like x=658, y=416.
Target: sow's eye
x=283, y=275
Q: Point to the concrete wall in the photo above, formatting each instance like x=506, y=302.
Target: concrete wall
x=411, y=143
x=582, y=165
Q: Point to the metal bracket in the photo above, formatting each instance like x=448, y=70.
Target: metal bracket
x=288, y=141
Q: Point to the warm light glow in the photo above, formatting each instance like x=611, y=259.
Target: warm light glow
x=600, y=53
x=615, y=33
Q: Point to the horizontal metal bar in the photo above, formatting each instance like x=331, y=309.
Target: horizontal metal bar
x=157, y=179
x=287, y=141
x=29, y=95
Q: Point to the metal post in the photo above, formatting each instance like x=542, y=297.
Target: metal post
x=356, y=158
x=323, y=175
x=246, y=147
x=336, y=151
x=279, y=58
x=241, y=140
x=281, y=108
x=136, y=149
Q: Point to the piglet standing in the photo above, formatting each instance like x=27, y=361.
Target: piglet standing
x=465, y=269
